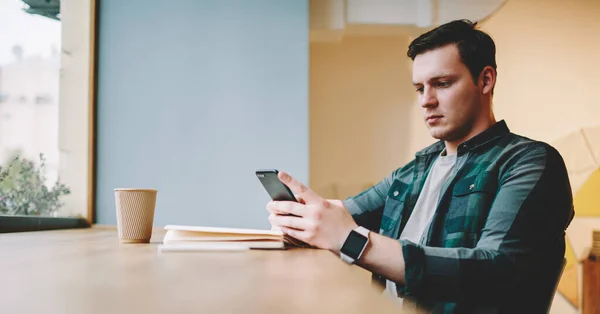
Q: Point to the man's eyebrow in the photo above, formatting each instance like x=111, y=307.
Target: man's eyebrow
x=443, y=76
x=436, y=78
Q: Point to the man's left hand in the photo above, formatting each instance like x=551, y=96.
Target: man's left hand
x=319, y=222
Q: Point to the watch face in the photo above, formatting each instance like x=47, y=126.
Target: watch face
x=354, y=244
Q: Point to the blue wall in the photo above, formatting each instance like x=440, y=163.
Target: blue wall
x=193, y=96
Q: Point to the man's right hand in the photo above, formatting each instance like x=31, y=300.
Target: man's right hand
x=301, y=201
x=314, y=220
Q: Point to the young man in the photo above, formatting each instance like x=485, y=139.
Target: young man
x=476, y=222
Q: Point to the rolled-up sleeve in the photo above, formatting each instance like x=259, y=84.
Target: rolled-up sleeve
x=532, y=208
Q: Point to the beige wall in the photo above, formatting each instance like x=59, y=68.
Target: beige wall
x=360, y=94
x=548, y=66
x=364, y=122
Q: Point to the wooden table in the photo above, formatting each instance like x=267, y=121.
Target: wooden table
x=88, y=271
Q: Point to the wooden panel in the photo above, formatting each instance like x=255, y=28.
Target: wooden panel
x=591, y=286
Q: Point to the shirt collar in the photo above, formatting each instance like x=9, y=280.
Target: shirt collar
x=497, y=130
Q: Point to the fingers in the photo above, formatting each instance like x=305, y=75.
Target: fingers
x=286, y=208
x=297, y=234
x=306, y=194
x=297, y=223
x=273, y=221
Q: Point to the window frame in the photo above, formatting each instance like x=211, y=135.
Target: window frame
x=20, y=223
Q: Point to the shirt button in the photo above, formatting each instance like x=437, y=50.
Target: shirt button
x=396, y=193
x=472, y=186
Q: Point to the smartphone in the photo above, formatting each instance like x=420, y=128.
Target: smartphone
x=276, y=189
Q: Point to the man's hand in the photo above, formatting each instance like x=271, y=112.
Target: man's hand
x=319, y=222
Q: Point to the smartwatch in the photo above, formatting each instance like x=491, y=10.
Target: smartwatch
x=355, y=245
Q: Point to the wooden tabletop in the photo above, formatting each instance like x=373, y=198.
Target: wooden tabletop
x=88, y=271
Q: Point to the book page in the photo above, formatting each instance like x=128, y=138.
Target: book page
x=205, y=229
x=179, y=235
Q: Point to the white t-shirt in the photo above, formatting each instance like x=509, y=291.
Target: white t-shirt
x=420, y=218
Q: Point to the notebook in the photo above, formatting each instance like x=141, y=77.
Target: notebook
x=180, y=238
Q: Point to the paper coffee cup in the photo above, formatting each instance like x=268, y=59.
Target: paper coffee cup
x=135, y=214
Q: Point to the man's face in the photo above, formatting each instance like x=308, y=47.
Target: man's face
x=447, y=94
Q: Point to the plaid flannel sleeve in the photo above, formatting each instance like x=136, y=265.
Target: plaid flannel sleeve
x=367, y=207
x=534, y=184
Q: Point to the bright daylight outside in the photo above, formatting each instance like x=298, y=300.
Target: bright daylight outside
x=31, y=181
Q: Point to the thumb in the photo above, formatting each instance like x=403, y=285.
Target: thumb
x=306, y=194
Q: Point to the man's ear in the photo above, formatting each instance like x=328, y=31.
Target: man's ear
x=488, y=80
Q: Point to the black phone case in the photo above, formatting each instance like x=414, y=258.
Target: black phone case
x=276, y=189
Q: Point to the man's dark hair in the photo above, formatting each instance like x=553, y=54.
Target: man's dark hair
x=476, y=48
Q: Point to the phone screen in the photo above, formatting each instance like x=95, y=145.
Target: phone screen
x=276, y=189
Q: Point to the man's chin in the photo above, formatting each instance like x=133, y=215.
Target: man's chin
x=443, y=136
x=437, y=133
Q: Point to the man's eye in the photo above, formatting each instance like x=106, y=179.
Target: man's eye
x=420, y=90
x=443, y=84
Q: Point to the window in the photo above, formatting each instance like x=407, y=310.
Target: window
x=46, y=79
x=43, y=100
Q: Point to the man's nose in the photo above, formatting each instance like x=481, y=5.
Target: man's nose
x=428, y=98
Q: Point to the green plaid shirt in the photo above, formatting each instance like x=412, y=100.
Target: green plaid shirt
x=497, y=239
